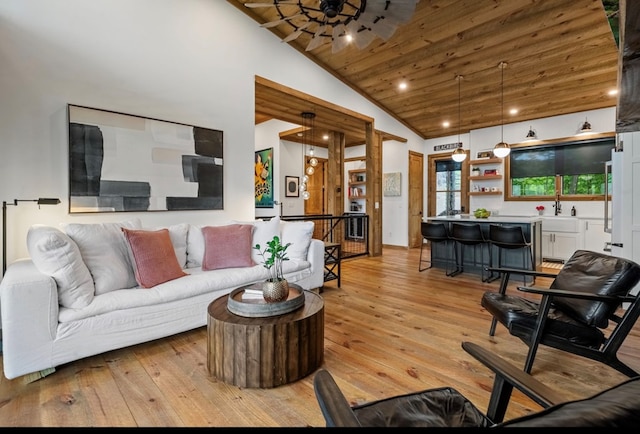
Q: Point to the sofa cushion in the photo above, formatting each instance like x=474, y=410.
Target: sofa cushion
x=105, y=252
x=195, y=244
x=227, y=246
x=178, y=234
x=55, y=254
x=153, y=256
x=299, y=234
x=263, y=232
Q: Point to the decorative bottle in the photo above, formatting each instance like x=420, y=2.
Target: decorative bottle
x=573, y=211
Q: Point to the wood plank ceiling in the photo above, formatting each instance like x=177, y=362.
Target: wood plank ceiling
x=561, y=58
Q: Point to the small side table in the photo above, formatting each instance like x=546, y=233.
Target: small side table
x=332, y=259
x=265, y=352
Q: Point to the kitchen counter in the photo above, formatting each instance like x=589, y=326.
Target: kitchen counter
x=475, y=260
x=461, y=218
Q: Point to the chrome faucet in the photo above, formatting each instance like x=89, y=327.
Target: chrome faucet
x=557, y=206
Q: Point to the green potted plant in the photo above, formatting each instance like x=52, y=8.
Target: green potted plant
x=275, y=288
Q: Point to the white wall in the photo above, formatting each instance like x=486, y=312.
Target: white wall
x=188, y=61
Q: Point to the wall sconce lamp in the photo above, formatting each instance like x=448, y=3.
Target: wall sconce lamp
x=586, y=127
x=41, y=201
x=531, y=135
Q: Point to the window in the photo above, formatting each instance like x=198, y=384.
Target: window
x=448, y=187
x=572, y=170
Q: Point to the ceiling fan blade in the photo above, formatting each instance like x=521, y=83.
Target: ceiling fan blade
x=317, y=38
x=266, y=5
x=278, y=22
x=294, y=35
x=339, y=38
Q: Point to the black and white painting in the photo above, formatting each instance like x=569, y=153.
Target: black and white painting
x=120, y=162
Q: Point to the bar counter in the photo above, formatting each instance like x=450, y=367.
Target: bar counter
x=474, y=259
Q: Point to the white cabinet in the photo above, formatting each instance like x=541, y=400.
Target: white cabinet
x=560, y=238
x=559, y=246
x=594, y=237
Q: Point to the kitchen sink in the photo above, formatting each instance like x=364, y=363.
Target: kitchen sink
x=560, y=223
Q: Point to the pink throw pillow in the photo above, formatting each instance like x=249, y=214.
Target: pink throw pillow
x=227, y=246
x=153, y=255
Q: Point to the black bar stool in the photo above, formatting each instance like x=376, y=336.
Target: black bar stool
x=434, y=233
x=468, y=235
x=509, y=237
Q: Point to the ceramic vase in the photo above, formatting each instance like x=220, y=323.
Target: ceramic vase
x=274, y=292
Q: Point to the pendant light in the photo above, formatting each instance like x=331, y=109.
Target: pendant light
x=307, y=139
x=459, y=154
x=502, y=149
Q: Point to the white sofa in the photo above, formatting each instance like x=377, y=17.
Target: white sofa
x=53, y=312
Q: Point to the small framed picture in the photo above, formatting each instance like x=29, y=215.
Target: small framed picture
x=488, y=153
x=292, y=184
x=490, y=172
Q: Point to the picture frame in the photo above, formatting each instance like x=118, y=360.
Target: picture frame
x=487, y=153
x=263, y=178
x=292, y=186
x=391, y=184
x=120, y=162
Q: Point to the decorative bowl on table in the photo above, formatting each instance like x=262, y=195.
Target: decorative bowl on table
x=481, y=213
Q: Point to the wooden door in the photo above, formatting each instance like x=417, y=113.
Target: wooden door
x=416, y=206
x=316, y=204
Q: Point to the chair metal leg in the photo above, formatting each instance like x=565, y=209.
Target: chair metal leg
x=459, y=267
x=420, y=268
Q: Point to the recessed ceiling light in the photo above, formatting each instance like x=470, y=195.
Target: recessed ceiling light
x=446, y=124
x=513, y=111
x=402, y=85
x=613, y=92
x=325, y=137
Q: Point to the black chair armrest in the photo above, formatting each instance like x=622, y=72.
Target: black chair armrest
x=508, y=377
x=573, y=294
x=333, y=404
x=521, y=272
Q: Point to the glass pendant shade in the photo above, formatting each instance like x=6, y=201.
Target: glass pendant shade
x=305, y=195
x=302, y=186
x=310, y=170
x=459, y=155
x=313, y=161
x=501, y=150
x=305, y=179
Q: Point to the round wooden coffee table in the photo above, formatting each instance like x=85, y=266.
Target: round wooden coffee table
x=268, y=351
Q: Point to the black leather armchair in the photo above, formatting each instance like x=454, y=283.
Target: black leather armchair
x=575, y=313
x=618, y=406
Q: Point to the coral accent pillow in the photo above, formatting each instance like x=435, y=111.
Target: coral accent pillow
x=154, y=259
x=227, y=246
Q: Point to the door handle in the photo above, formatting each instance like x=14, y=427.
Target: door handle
x=616, y=244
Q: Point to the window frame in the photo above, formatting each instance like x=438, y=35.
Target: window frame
x=508, y=196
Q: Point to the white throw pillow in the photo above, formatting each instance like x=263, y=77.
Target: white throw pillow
x=56, y=255
x=178, y=234
x=105, y=251
x=299, y=234
x=263, y=232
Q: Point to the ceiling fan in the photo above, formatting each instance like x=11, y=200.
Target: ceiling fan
x=340, y=21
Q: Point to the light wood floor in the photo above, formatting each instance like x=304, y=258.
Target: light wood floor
x=388, y=330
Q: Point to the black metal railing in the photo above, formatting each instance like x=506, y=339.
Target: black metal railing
x=351, y=230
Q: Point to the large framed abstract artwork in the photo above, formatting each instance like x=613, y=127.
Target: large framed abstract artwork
x=120, y=162
x=263, y=178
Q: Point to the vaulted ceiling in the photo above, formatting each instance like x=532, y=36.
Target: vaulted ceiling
x=561, y=57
